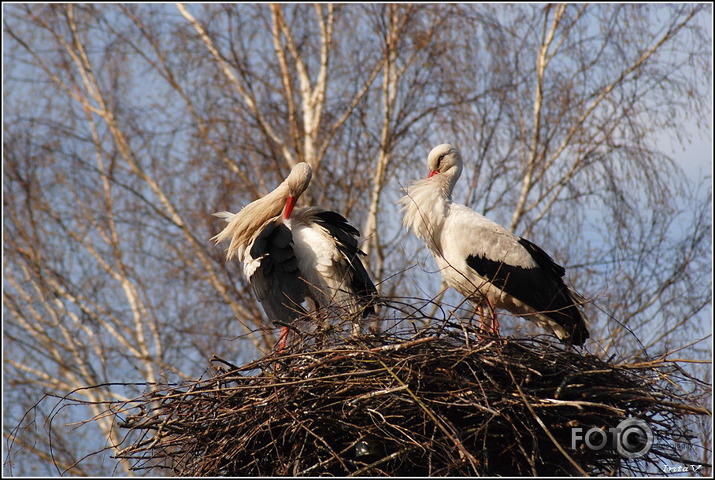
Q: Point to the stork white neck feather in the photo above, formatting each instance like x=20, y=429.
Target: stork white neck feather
x=245, y=224
x=427, y=201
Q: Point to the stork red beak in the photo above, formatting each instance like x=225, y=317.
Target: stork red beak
x=290, y=203
x=432, y=173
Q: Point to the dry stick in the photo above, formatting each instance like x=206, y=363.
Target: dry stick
x=546, y=430
x=383, y=348
x=579, y=404
x=382, y=460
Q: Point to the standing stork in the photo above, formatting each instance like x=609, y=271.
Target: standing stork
x=485, y=262
x=293, y=254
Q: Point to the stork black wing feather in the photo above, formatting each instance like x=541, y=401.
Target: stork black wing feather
x=345, y=236
x=277, y=281
x=334, y=218
x=542, y=258
x=564, y=301
x=542, y=288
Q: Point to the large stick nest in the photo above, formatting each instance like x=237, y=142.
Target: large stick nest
x=439, y=402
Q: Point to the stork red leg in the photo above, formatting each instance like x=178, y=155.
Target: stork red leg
x=282, y=339
x=480, y=314
x=494, y=324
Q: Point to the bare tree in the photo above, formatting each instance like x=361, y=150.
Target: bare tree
x=126, y=126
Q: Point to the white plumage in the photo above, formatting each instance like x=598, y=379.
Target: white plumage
x=482, y=260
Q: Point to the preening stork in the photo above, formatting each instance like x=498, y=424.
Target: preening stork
x=484, y=261
x=293, y=254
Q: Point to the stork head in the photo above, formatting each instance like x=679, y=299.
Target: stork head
x=445, y=160
x=297, y=182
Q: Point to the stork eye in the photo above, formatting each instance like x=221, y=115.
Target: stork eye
x=439, y=160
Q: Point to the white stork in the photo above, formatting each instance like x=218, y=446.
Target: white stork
x=299, y=254
x=484, y=261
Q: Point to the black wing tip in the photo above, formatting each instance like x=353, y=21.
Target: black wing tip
x=335, y=219
x=573, y=323
x=369, y=300
x=578, y=336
